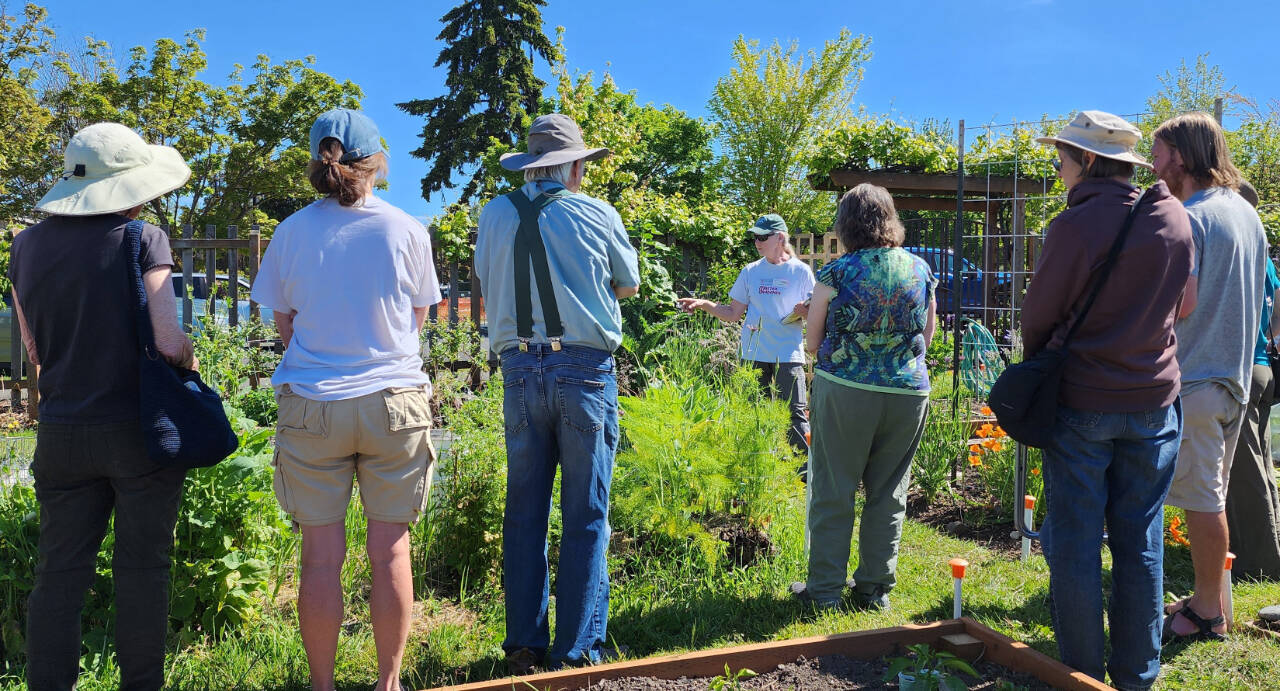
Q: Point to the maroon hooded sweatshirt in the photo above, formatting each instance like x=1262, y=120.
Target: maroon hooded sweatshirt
x=1123, y=357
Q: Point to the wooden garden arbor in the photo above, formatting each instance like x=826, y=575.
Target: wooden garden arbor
x=996, y=242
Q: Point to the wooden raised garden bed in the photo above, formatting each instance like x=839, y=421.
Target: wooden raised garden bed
x=764, y=657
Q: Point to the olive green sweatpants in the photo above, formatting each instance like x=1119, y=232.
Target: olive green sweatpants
x=860, y=438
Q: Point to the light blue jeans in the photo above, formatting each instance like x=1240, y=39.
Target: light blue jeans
x=560, y=409
x=1112, y=467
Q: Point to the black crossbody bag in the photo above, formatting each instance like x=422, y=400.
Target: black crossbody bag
x=183, y=423
x=1024, y=397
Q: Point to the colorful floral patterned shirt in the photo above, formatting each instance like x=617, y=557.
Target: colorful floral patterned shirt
x=875, y=321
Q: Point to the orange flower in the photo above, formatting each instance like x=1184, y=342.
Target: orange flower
x=1035, y=471
x=989, y=443
x=988, y=426
x=975, y=461
x=985, y=410
x=1177, y=536
x=996, y=445
x=999, y=432
x=982, y=432
x=975, y=448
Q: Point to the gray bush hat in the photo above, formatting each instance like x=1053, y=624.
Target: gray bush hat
x=768, y=223
x=108, y=168
x=356, y=131
x=554, y=139
x=1104, y=134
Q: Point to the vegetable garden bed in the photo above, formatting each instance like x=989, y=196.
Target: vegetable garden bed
x=994, y=648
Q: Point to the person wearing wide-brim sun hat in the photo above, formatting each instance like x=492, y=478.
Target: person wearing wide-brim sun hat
x=72, y=296
x=553, y=263
x=1111, y=457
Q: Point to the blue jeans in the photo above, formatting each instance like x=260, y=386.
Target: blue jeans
x=1115, y=467
x=560, y=408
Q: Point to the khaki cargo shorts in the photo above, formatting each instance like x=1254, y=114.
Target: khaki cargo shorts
x=1211, y=419
x=383, y=439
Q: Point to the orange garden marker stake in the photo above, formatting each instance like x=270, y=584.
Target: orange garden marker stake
x=1028, y=512
x=1227, y=604
x=957, y=574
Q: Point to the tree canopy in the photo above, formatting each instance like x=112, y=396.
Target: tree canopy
x=489, y=47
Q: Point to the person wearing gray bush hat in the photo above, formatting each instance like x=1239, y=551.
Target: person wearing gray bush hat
x=553, y=264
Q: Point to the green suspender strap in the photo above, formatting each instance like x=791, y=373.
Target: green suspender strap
x=530, y=251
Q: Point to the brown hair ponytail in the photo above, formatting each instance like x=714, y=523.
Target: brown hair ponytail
x=347, y=182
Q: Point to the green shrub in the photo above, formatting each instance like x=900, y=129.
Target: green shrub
x=700, y=449
x=459, y=541
x=230, y=534
x=258, y=405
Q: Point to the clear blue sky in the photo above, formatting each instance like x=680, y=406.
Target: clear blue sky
x=982, y=61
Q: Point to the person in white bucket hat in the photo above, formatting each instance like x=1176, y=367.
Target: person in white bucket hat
x=1111, y=456
x=72, y=296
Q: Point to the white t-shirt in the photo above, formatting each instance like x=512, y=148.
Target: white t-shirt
x=354, y=275
x=770, y=292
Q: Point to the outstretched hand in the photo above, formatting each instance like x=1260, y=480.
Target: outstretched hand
x=691, y=305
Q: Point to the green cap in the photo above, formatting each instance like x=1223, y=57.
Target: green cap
x=769, y=223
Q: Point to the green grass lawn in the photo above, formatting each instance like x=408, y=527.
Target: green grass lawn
x=673, y=604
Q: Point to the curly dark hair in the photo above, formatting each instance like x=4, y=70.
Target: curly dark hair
x=867, y=218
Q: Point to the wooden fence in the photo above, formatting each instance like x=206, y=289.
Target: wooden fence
x=208, y=254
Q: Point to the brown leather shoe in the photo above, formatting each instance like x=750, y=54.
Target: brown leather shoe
x=522, y=661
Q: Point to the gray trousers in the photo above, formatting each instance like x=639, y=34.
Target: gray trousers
x=865, y=439
x=1253, y=503
x=786, y=379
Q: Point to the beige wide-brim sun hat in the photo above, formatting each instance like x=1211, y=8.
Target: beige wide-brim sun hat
x=1102, y=133
x=554, y=139
x=108, y=168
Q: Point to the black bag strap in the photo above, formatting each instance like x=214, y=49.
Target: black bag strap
x=133, y=248
x=531, y=251
x=1105, y=270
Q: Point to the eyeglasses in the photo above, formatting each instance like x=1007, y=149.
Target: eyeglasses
x=764, y=238
x=1057, y=164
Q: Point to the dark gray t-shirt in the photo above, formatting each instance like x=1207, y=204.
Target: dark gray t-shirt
x=1215, y=343
x=73, y=284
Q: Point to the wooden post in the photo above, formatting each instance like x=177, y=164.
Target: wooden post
x=453, y=293
x=211, y=273
x=255, y=257
x=988, y=262
x=477, y=315
x=1020, y=268
x=188, y=258
x=233, y=278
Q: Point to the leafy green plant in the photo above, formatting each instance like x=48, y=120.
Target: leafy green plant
x=730, y=681
x=228, y=538
x=929, y=668
x=701, y=448
x=459, y=540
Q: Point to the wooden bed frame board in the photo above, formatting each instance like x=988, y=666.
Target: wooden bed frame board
x=764, y=657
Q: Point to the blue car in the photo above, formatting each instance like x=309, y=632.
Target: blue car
x=942, y=262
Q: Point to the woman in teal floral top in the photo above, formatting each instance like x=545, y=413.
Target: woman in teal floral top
x=870, y=322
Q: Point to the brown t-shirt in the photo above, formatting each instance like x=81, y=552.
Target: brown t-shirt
x=74, y=285
x=1124, y=355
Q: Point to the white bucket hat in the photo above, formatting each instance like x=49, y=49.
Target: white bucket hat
x=108, y=168
x=554, y=139
x=1104, y=134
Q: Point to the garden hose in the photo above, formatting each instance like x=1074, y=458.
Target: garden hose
x=980, y=361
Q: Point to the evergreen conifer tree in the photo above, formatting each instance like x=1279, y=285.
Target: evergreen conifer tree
x=489, y=49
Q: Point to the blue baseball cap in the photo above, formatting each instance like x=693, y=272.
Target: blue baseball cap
x=358, y=134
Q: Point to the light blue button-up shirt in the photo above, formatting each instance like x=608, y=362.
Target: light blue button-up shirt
x=588, y=254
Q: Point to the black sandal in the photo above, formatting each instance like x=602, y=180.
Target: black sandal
x=1205, y=630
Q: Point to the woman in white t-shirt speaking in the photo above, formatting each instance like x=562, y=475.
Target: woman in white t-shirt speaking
x=350, y=278
x=771, y=292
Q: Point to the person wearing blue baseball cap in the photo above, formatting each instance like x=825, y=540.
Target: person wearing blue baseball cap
x=772, y=293
x=349, y=279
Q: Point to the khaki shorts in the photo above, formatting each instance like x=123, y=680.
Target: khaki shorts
x=1211, y=419
x=383, y=439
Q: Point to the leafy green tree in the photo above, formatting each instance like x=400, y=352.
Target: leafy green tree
x=26, y=136
x=247, y=142
x=772, y=110
x=489, y=51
